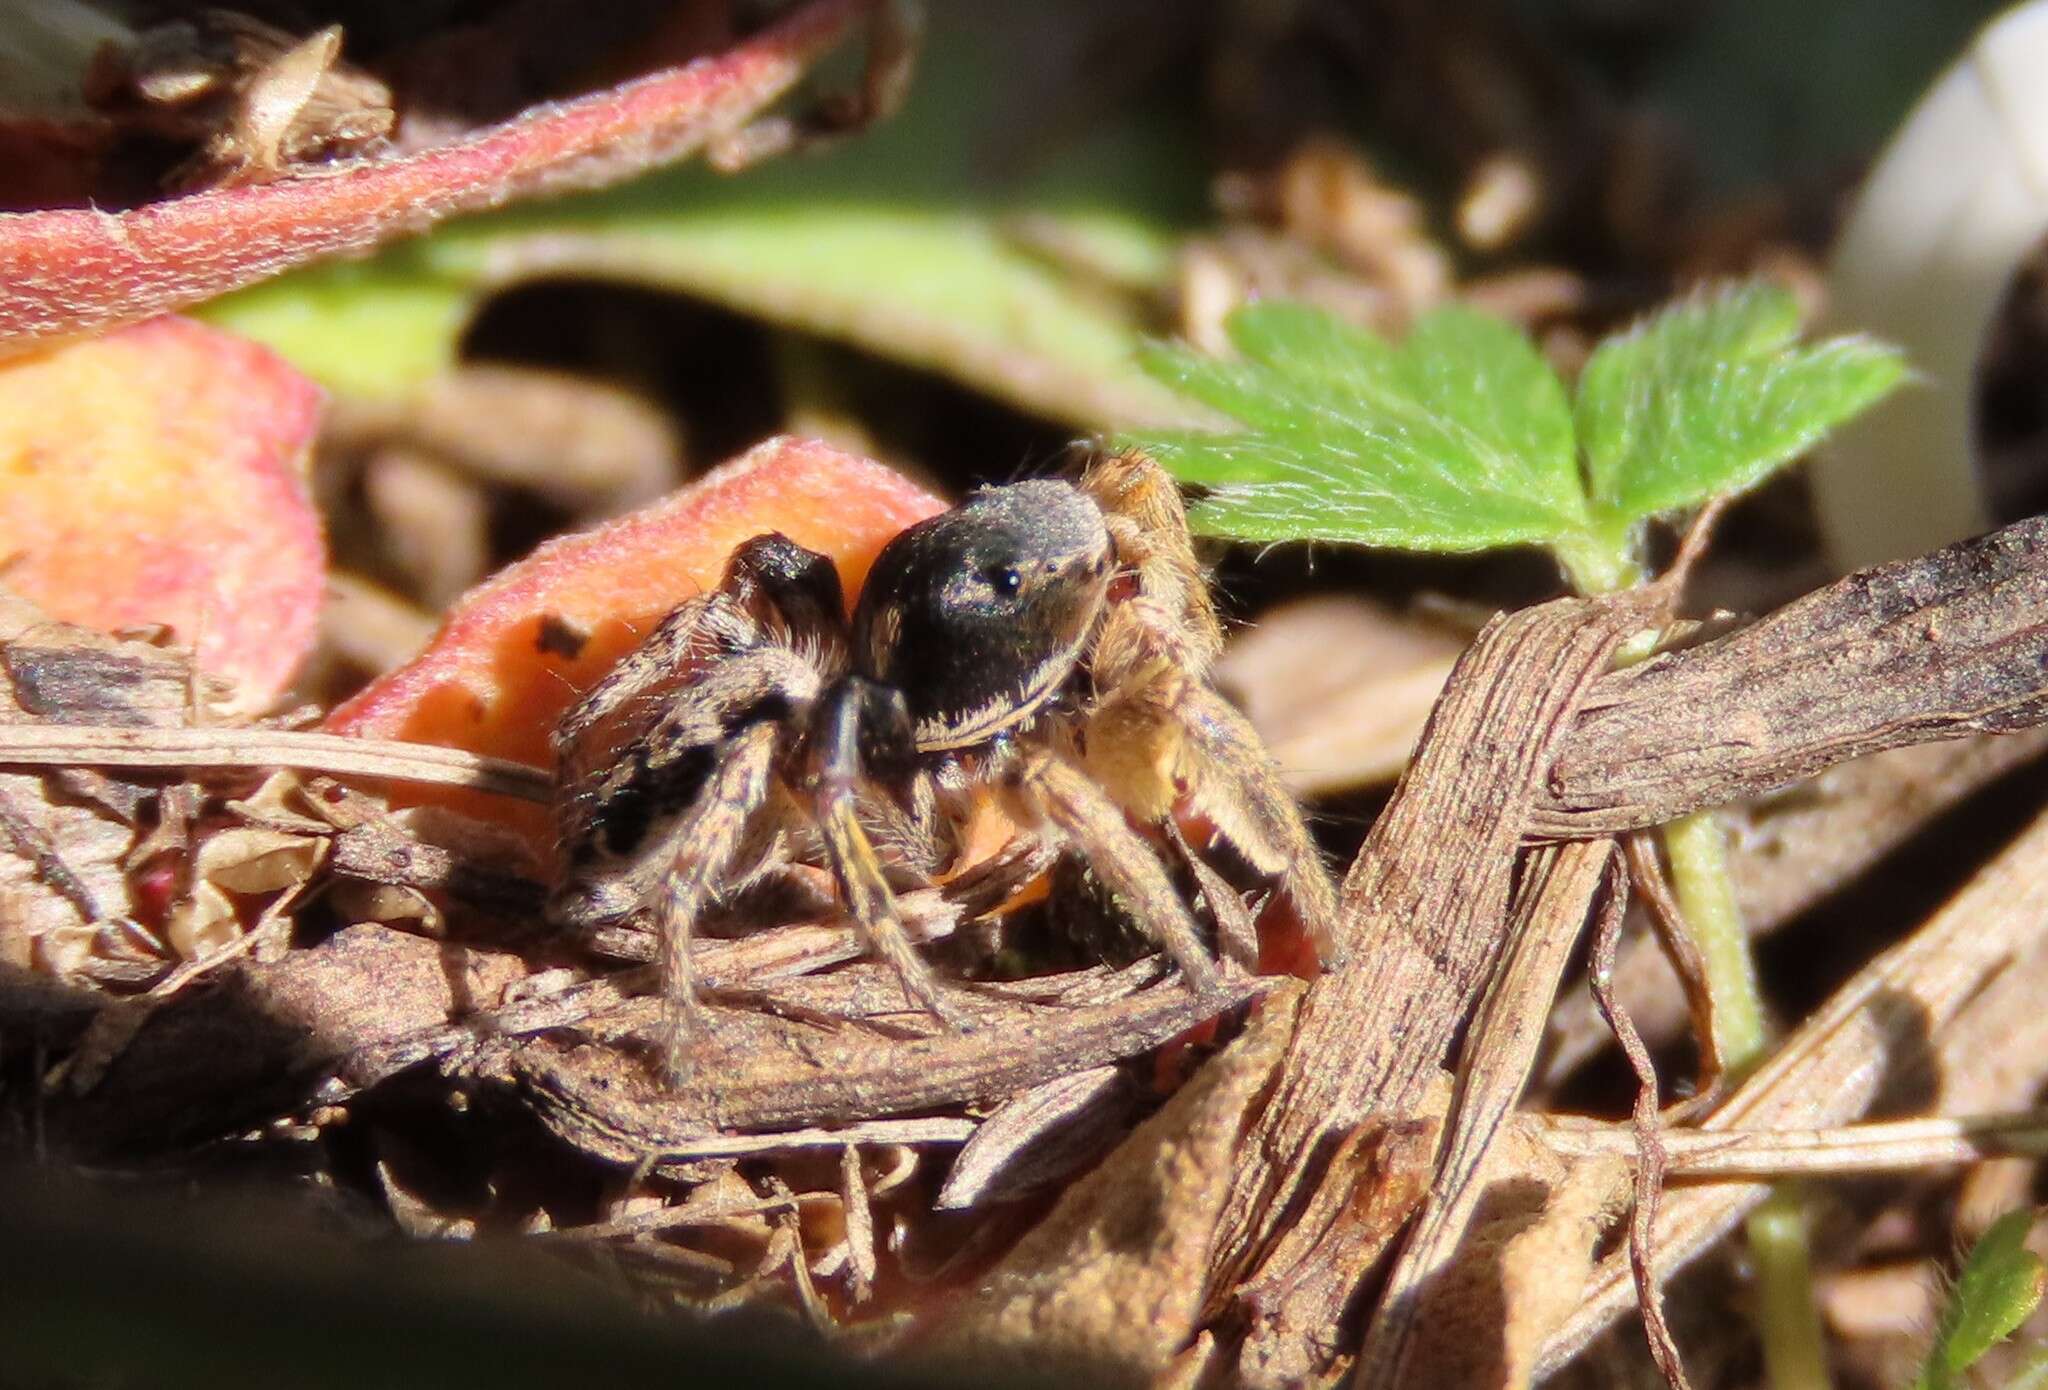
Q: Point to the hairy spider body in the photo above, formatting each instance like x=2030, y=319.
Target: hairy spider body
x=1047, y=641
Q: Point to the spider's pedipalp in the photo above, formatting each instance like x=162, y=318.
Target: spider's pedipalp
x=792, y=592
x=860, y=729
x=1164, y=611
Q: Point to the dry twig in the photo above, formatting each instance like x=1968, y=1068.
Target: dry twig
x=1650, y=1156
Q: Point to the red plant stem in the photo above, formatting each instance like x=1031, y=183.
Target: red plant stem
x=72, y=271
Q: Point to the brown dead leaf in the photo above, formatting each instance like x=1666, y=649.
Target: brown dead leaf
x=252, y=859
x=1039, y=1137
x=1111, y=1281
x=65, y=902
x=591, y=448
x=254, y=99
x=842, y=1048
x=860, y=1224
x=1376, y=1178
x=252, y=1046
x=1338, y=688
x=1520, y=1269
x=1787, y=853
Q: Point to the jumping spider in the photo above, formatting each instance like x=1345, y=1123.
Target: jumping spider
x=1047, y=642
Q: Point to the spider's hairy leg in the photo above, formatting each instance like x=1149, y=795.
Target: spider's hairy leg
x=1167, y=611
x=671, y=769
x=669, y=798
x=1162, y=745
x=1238, y=788
x=623, y=759
x=691, y=630
x=705, y=843
x=1159, y=737
x=862, y=727
x=1053, y=790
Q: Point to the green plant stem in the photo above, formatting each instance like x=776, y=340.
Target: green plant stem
x=1795, y=1358
x=1788, y=1316
x=1696, y=847
x=1597, y=565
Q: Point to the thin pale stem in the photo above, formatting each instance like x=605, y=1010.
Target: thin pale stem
x=91, y=745
x=1789, y=1318
x=1795, y=1357
x=1696, y=847
x=1697, y=850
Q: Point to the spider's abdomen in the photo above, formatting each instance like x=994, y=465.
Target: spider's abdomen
x=979, y=614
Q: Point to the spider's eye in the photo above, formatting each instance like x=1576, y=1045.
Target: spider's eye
x=1004, y=580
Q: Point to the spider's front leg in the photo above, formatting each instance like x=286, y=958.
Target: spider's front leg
x=859, y=730
x=1044, y=787
x=702, y=854
x=665, y=767
x=670, y=826
x=1159, y=736
x=1166, y=745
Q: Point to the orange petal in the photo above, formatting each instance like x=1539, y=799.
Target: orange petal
x=157, y=475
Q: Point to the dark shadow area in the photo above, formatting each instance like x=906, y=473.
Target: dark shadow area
x=105, y=1286
x=1812, y=958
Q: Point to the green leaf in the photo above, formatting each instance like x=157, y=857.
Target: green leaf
x=1710, y=397
x=2000, y=1287
x=1458, y=439
x=374, y=330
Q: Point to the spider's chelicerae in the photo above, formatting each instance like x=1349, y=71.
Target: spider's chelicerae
x=1047, y=642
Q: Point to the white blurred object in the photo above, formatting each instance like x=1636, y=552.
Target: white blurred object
x=1958, y=201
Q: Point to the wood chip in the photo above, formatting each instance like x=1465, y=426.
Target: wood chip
x=1111, y=1280
x=1936, y=647
x=1423, y=920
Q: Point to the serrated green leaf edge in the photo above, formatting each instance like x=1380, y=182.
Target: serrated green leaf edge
x=1712, y=395
x=1619, y=382
x=1347, y=434
x=1457, y=439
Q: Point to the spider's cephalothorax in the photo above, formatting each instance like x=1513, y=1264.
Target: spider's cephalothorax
x=979, y=615
x=1048, y=642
